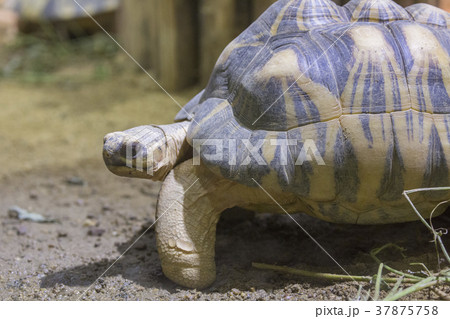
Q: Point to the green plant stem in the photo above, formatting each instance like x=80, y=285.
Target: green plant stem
x=425, y=283
x=378, y=282
x=333, y=277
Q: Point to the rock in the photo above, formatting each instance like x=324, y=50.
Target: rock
x=62, y=234
x=90, y=223
x=21, y=230
x=75, y=180
x=236, y=291
x=95, y=231
x=23, y=214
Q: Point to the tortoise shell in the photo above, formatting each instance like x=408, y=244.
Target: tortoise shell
x=60, y=10
x=368, y=83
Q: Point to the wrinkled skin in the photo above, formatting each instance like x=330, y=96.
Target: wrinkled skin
x=148, y=151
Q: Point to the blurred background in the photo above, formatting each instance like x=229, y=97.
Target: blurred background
x=169, y=38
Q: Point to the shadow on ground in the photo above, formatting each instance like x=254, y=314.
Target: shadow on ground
x=243, y=238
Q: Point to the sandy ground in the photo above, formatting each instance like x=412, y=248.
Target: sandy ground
x=51, y=164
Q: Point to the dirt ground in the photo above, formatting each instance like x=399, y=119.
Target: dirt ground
x=51, y=164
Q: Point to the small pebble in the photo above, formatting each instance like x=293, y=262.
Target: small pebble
x=95, y=231
x=62, y=234
x=21, y=230
x=75, y=180
x=33, y=195
x=90, y=223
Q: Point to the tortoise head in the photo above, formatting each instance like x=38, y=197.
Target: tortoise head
x=148, y=151
x=137, y=152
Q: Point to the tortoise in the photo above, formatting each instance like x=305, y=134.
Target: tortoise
x=329, y=110
x=69, y=15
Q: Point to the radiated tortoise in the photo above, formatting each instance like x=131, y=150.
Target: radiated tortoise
x=328, y=110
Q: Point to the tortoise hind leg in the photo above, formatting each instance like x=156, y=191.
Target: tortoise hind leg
x=189, y=207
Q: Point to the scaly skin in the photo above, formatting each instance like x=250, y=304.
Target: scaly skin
x=189, y=207
x=153, y=150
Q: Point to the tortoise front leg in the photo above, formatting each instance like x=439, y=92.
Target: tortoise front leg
x=189, y=207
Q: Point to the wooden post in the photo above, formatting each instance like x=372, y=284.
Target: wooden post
x=217, y=21
x=131, y=23
x=177, y=40
x=162, y=36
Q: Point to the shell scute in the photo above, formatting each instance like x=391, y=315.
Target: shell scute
x=303, y=15
x=292, y=84
x=372, y=78
x=426, y=55
x=381, y=11
x=428, y=14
